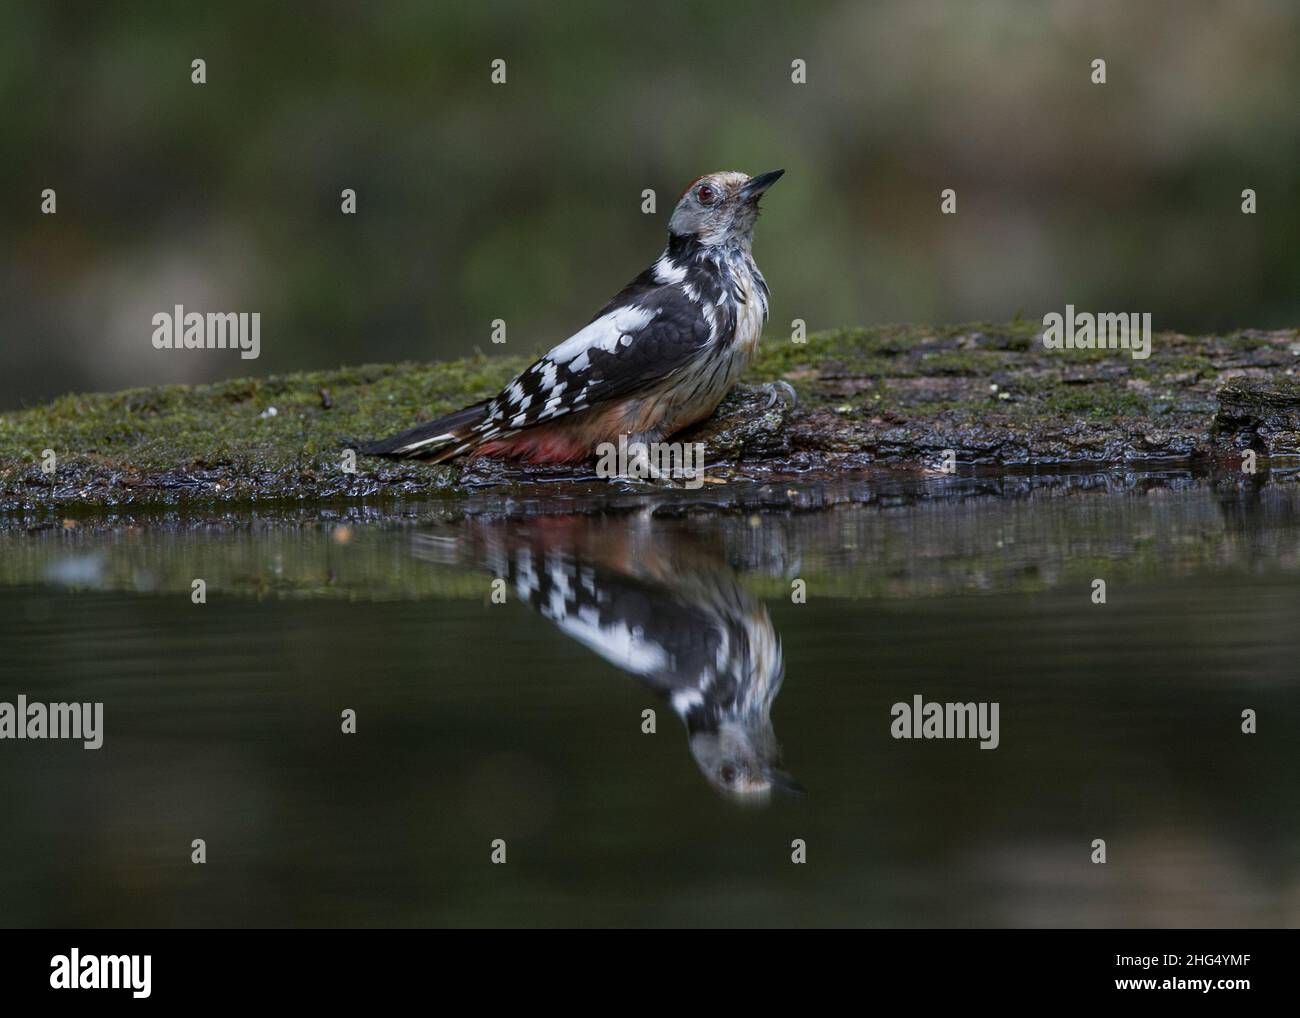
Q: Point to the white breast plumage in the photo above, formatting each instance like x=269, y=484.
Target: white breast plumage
x=750, y=315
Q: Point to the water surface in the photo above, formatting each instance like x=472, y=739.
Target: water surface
x=523, y=721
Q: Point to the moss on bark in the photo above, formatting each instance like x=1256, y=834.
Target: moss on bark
x=899, y=395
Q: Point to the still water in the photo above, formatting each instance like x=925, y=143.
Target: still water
x=524, y=720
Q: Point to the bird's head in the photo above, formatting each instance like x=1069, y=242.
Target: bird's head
x=720, y=208
x=741, y=761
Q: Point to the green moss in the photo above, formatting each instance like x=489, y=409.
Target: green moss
x=285, y=436
x=316, y=412
x=1092, y=400
x=174, y=427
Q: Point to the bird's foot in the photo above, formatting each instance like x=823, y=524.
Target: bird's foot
x=649, y=481
x=784, y=392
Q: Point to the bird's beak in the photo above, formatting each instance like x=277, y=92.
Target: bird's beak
x=755, y=186
x=782, y=780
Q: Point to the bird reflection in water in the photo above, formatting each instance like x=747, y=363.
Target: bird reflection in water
x=658, y=605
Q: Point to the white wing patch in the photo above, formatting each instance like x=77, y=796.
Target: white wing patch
x=668, y=272
x=624, y=646
x=685, y=699
x=602, y=334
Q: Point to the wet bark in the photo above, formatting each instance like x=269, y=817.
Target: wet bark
x=926, y=399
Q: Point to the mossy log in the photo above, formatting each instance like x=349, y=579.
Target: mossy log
x=905, y=396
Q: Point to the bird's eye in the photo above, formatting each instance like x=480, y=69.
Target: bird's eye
x=705, y=194
x=727, y=773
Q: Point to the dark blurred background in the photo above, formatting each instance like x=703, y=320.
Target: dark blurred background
x=522, y=202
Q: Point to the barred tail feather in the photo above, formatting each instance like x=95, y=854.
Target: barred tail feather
x=438, y=440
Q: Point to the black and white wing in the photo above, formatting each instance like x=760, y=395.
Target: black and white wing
x=646, y=334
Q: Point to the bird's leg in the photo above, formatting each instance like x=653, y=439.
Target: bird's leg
x=633, y=460
x=783, y=391
x=654, y=464
x=649, y=464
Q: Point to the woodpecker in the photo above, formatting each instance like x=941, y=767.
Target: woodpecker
x=678, y=620
x=658, y=357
